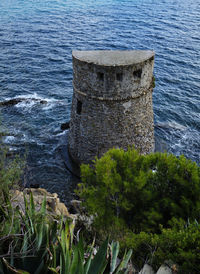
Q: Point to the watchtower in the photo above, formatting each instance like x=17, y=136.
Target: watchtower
x=112, y=103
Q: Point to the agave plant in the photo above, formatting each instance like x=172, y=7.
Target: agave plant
x=73, y=258
x=29, y=248
x=45, y=246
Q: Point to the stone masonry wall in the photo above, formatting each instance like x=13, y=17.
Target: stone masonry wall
x=112, y=82
x=111, y=107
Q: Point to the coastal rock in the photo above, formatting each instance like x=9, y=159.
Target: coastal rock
x=76, y=206
x=164, y=269
x=15, y=101
x=147, y=269
x=167, y=267
x=54, y=206
x=65, y=126
x=80, y=215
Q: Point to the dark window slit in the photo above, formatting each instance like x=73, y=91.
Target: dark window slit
x=137, y=73
x=79, y=107
x=119, y=76
x=100, y=76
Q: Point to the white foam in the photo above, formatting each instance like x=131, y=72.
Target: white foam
x=9, y=139
x=185, y=138
x=176, y=125
x=26, y=105
x=31, y=100
x=34, y=96
x=61, y=133
x=172, y=125
x=29, y=97
x=12, y=149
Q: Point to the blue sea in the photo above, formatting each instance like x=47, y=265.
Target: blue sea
x=36, y=41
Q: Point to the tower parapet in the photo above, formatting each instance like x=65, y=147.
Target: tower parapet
x=112, y=102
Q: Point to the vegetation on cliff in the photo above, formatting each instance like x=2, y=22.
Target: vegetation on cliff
x=150, y=203
x=37, y=242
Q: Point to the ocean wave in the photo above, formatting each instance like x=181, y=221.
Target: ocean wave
x=171, y=125
x=28, y=101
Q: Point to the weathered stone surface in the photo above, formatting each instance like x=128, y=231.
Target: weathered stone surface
x=113, y=58
x=164, y=269
x=147, y=269
x=54, y=206
x=76, y=206
x=112, y=103
x=113, y=82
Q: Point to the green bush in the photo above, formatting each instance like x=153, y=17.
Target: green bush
x=11, y=170
x=145, y=202
x=179, y=244
x=126, y=189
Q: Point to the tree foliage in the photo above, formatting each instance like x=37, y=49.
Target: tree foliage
x=179, y=244
x=150, y=203
x=140, y=192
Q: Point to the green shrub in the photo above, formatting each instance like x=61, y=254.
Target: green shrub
x=11, y=170
x=145, y=202
x=126, y=189
x=179, y=244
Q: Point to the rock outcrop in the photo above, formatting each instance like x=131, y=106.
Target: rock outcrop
x=54, y=206
x=147, y=269
x=15, y=101
x=166, y=268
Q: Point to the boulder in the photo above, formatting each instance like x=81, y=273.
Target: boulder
x=76, y=207
x=15, y=101
x=164, y=269
x=65, y=126
x=147, y=269
x=54, y=206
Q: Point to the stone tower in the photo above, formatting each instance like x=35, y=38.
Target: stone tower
x=112, y=103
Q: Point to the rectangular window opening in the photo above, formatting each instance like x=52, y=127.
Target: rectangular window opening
x=119, y=76
x=79, y=107
x=100, y=76
x=137, y=73
x=151, y=59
